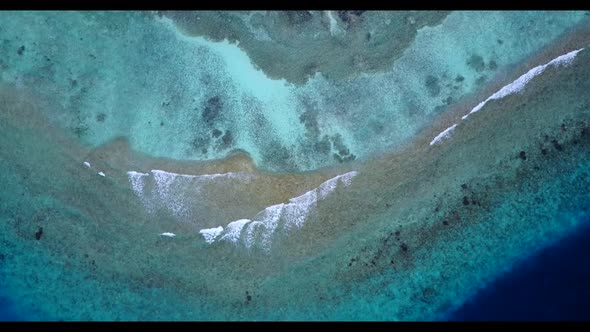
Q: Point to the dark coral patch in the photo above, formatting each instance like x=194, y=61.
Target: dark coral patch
x=432, y=85
x=476, y=63
x=39, y=233
x=212, y=109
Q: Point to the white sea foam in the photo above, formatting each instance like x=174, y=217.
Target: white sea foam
x=520, y=82
x=444, y=134
x=87, y=164
x=269, y=219
x=101, y=174
x=137, y=182
x=330, y=185
x=168, y=234
x=233, y=230
x=168, y=188
x=210, y=234
x=298, y=208
x=163, y=182
x=261, y=230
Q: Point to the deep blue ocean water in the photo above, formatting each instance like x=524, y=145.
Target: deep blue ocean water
x=551, y=285
x=6, y=310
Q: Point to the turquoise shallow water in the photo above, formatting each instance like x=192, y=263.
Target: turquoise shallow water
x=151, y=173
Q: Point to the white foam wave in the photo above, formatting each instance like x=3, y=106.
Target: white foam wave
x=520, y=82
x=168, y=189
x=233, y=230
x=261, y=230
x=210, y=234
x=514, y=87
x=444, y=134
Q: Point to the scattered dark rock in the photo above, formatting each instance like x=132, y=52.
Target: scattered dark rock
x=323, y=146
x=350, y=16
x=476, y=63
x=39, y=233
x=295, y=17
x=500, y=41
x=248, y=297
x=73, y=83
x=404, y=247
x=397, y=233
x=585, y=132
x=344, y=159
x=199, y=142
x=227, y=139
x=459, y=78
x=474, y=201
x=465, y=200
x=432, y=85
x=81, y=130
x=100, y=117
x=563, y=127
x=309, y=118
x=464, y=186
x=556, y=145
x=21, y=50
x=216, y=133
x=427, y=295
x=445, y=222
x=522, y=155
x=493, y=65
x=543, y=151
x=2, y=257
x=480, y=80
x=165, y=103
x=161, y=123
x=212, y=109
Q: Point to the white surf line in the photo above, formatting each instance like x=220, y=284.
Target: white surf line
x=444, y=134
x=260, y=230
x=210, y=234
x=514, y=87
x=200, y=176
x=101, y=174
x=87, y=164
x=520, y=82
x=168, y=234
x=168, y=186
